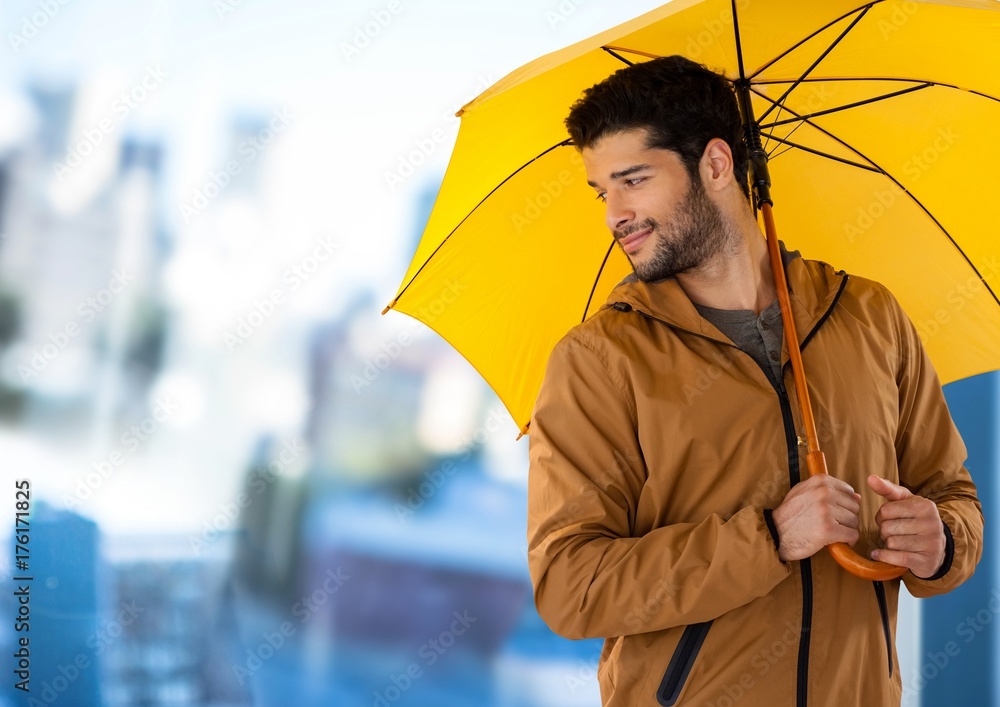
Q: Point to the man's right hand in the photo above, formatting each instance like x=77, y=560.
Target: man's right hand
x=817, y=512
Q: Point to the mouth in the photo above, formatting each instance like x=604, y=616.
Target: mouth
x=633, y=241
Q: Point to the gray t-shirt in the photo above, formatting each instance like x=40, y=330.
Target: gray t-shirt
x=759, y=336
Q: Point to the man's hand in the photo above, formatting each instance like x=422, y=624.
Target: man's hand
x=817, y=512
x=911, y=528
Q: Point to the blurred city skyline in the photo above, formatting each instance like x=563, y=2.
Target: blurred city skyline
x=249, y=486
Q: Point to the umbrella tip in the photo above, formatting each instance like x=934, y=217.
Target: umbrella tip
x=524, y=431
x=459, y=112
x=389, y=306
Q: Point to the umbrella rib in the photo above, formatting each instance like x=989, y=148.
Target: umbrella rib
x=798, y=44
x=739, y=43
x=593, y=289
x=821, y=57
x=774, y=154
x=619, y=57
x=820, y=153
x=466, y=217
x=884, y=78
x=790, y=133
x=904, y=190
x=846, y=106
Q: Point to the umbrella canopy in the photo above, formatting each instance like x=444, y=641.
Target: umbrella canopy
x=880, y=121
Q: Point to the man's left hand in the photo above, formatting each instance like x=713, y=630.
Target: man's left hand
x=911, y=529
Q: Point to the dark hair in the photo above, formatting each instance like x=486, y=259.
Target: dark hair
x=683, y=105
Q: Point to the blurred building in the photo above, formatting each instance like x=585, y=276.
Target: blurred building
x=79, y=261
x=178, y=638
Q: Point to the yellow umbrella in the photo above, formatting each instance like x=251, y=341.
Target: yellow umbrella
x=880, y=125
x=884, y=156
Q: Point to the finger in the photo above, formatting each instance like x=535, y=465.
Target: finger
x=897, y=557
x=845, y=517
x=827, y=488
x=913, y=507
x=846, y=535
x=825, y=481
x=917, y=544
x=847, y=501
x=887, y=490
x=838, y=484
x=905, y=526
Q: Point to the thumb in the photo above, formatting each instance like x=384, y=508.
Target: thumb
x=888, y=490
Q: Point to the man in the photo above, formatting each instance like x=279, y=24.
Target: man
x=669, y=509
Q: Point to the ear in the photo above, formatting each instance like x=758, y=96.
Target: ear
x=716, y=165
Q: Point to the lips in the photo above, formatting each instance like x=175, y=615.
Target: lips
x=632, y=241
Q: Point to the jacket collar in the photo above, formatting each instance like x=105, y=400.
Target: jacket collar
x=813, y=285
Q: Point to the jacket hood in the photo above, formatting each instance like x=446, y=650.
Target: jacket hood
x=813, y=286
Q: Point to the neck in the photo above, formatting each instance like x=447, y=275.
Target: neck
x=738, y=278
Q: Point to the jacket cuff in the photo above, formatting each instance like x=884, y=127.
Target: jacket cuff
x=949, y=555
x=773, y=529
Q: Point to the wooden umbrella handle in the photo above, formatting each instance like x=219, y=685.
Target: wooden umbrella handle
x=815, y=459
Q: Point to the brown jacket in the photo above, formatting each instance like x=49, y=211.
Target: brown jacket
x=656, y=448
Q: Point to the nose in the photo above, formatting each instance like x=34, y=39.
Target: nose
x=618, y=213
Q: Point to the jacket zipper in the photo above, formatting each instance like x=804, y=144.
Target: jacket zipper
x=805, y=566
x=883, y=609
x=681, y=663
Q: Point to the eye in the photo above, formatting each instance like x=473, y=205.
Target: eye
x=634, y=181
x=603, y=196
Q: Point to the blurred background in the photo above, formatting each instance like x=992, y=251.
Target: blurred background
x=247, y=486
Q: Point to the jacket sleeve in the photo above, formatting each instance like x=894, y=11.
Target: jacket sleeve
x=930, y=456
x=592, y=577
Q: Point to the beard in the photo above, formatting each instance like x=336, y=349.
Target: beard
x=697, y=233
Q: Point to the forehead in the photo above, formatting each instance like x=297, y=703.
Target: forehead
x=621, y=151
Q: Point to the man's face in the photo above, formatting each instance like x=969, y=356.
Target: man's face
x=663, y=220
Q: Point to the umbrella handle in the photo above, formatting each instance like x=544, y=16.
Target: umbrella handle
x=842, y=553
x=815, y=459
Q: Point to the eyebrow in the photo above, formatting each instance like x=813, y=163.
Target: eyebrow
x=623, y=173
